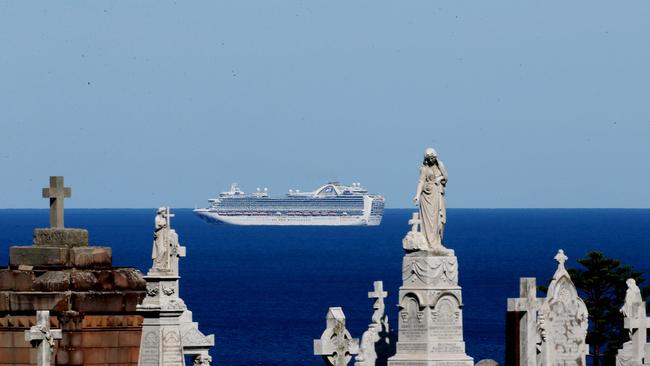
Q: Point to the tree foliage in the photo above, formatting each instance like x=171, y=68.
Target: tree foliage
x=600, y=282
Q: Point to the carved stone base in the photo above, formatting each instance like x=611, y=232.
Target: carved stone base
x=430, y=316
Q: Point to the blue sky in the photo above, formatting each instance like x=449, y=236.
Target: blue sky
x=145, y=103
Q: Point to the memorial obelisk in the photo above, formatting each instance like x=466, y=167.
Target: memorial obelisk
x=430, y=300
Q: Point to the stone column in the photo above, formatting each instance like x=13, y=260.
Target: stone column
x=430, y=315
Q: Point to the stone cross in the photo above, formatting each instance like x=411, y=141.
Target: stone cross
x=41, y=336
x=56, y=192
x=560, y=257
x=379, y=292
x=527, y=305
x=415, y=221
x=336, y=345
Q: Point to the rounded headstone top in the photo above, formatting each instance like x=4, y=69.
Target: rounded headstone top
x=487, y=362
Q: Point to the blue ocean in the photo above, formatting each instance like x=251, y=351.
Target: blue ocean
x=264, y=291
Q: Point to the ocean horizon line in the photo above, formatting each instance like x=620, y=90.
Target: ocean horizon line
x=387, y=208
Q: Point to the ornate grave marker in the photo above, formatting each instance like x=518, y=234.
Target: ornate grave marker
x=168, y=332
x=560, y=322
x=336, y=345
x=430, y=300
x=374, y=341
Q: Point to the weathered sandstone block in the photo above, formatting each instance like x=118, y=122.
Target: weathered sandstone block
x=60, y=237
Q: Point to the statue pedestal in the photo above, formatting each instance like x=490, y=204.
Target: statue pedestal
x=430, y=315
x=161, y=328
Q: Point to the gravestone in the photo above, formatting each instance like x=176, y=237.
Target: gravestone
x=375, y=342
x=430, y=299
x=42, y=337
x=636, y=321
x=336, y=345
x=168, y=332
x=93, y=303
x=560, y=322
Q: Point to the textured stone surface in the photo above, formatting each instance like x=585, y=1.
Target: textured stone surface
x=39, y=257
x=52, y=281
x=431, y=314
x=60, y=237
x=91, y=257
x=16, y=280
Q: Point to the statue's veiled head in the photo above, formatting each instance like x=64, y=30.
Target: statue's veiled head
x=430, y=156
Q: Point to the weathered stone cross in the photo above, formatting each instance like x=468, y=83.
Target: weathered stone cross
x=379, y=292
x=56, y=192
x=42, y=337
x=415, y=221
x=527, y=305
x=336, y=345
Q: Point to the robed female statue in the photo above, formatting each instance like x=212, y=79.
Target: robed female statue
x=430, y=196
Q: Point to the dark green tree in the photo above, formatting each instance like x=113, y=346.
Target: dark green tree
x=601, y=284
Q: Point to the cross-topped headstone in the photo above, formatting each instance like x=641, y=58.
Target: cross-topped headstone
x=42, y=337
x=56, y=192
x=336, y=345
x=526, y=305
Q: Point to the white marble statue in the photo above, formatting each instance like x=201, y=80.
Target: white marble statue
x=160, y=251
x=632, y=297
x=429, y=195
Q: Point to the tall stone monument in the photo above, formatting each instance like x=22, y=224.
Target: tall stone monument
x=549, y=331
x=635, y=351
x=430, y=299
x=168, y=332
x=78, y=291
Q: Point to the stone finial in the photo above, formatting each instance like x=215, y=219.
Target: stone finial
x=56, y=192
x=42, y=337
x=336, y=345
x=560, y=257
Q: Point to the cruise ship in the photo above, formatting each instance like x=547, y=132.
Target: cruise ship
x=331, y=204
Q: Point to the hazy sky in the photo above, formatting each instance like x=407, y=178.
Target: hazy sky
x=145, y=103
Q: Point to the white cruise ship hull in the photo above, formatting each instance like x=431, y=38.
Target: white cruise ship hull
x=279, y=220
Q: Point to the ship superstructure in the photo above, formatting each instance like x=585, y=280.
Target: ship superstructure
x=330, y=204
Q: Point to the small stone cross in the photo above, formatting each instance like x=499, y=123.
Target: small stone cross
x=415, y=221
x=56, y=192
x=336, y=345
x=560, y=257
x=379, y=292
x=42, y=337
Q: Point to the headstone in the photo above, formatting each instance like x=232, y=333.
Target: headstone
x=560, y=319
x=430, y=299
x=336, y=345
x=168, y=332
x=42, y=337
x=375, y=342
x=525, y=309
x=636, y=321
x=487, y=362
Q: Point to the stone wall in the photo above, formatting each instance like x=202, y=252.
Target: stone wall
x=92, y=302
